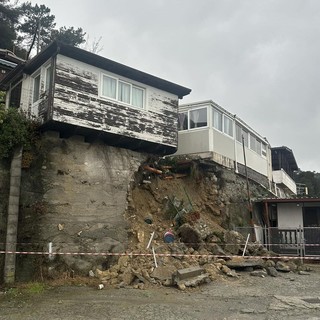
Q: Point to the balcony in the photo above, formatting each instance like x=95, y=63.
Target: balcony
x=283, y=180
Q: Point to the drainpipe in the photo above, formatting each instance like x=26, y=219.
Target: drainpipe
x=12, y=220
x=235, y=145
x=247, y=180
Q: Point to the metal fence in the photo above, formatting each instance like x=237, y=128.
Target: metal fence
x=286, y=241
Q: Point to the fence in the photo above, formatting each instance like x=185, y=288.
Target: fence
x=286, y=241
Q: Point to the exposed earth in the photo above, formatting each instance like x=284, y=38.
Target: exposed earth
x=288, y=296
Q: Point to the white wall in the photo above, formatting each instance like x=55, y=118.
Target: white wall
x=289, y=215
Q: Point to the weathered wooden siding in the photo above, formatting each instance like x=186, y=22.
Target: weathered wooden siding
x=39, y=109
x=77, y=102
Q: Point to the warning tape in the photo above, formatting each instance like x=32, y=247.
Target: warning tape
x=187, y=243
x=132, y=254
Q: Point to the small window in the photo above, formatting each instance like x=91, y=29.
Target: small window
x=109, y=87
x=228, y=126
x=245, y=135
x=48, y=78
x=263, y=150
x=258, y=147
x=198, y=118
x=36, y=88
x=253, y=142
x=217, y=120
x=183, y=121
x=137, y=97
x=238, y=133
x=124, y=92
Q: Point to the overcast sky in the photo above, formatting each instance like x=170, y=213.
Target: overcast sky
x=259, y=59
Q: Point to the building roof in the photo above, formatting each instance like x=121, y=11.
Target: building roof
x=287, y=154
x=98, y=61
x=289, y=200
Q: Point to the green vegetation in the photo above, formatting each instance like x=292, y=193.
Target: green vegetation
x=311, y=179
x=24, y=26
x=15, y=130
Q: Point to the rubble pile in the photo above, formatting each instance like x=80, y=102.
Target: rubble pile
x=177, y=236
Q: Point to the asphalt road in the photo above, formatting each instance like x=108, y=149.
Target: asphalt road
x=289, y=296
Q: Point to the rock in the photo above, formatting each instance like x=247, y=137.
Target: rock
x=163, y=273
x=233, y=241
x=241, y=263
x=303, y=273
x=281, y=266
x=190, y=236
x=216, y=249
x=181, y=286
x=259, y=273
x=227, y=271
x=272, y=271
x=127, y=277
x=269, y=263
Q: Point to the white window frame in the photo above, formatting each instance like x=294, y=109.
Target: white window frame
x=220, y=114
x=224, y=129
x=36, y=75
x=130, y=84
x=47, y=82
x=263, y=150
x=195, y=109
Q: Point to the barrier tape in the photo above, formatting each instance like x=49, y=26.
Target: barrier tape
x=157, y=254
x=192, y=243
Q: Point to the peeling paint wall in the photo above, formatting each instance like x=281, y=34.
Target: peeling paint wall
x=77, y=101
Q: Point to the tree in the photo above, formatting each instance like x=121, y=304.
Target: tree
x=9, y=16
x=38, y=28
x=74, y=37
x=311, y=179
x=36, y=25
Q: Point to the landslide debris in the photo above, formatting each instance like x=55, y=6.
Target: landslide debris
x=179, y=216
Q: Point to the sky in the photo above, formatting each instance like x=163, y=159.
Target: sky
x=258, y=59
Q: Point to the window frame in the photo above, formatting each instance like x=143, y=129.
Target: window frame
x=36, y=75
x=224, y=119
x=220, y=120
x=189, y=118
x=131, y=86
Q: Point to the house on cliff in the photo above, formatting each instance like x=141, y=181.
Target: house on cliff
x=209, y=131
x=76, y=92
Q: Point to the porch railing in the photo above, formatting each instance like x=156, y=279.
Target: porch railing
x=288, y=241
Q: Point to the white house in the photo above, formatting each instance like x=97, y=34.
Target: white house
x=208, y=130
x=75, y=91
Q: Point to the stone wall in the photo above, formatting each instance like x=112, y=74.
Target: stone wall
x=73, y=194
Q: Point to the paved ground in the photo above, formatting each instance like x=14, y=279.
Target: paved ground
x=290, y=296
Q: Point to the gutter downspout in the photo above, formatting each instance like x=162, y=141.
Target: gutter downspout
x=235, y=146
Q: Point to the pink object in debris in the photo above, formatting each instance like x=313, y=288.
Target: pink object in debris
x=168, y=236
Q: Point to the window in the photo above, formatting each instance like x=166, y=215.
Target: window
x=238, y=133
x=258, y=147
x=109, y=87
x=245, y=135
x=137, y=97
x=217, y=120
x=183, y=121
x=228, y=126
x=36, y=88
x=252, y=142
x=263, y=150
x=122, y=91
x=198, y=118
x=48, y=78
